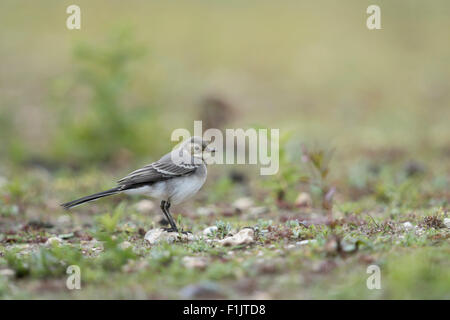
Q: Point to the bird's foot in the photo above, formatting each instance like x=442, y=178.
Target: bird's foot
x=176, y=230
x=170, y=229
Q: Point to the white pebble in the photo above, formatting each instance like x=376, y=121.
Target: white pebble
x=408, y=225
x=243, y=203
x=53, y=240
x=155, y=236
x=145, y=206
x=194, y=262
x=205, y=211
x=7, y=273
x=125, y=245
x=447, y=222
x=304, y=242
x=303, y=200
x=245, y=236
x=210, y=231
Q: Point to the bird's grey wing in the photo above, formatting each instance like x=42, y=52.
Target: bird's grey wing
x=160, y=170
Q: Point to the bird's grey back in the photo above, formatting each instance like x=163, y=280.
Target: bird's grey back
x=161, y=170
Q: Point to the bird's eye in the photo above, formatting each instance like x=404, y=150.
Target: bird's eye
x=195, y=148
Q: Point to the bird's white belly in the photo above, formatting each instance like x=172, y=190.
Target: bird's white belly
x=157, y=191
x=183, y=188
x=175, y=190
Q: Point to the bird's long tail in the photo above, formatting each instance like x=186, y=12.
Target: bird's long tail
x=92, y=197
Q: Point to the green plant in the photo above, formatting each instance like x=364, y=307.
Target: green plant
x=283, y=184
x=223, y=228
x=46, y=262
x=317, y=160
x=106, y=125
x=108, y=221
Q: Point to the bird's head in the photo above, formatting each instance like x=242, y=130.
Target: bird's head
x=196, y=148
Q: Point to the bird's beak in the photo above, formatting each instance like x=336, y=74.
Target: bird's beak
x=210, y=149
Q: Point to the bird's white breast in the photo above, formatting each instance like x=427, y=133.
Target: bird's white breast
x=183, y=188
x=175, y=190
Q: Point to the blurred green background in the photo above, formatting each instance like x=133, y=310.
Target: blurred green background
x=115, y=90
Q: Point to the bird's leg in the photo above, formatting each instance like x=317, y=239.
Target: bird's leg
x=165, y=210
x=171, y=221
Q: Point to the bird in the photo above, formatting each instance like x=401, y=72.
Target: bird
x=174, y=178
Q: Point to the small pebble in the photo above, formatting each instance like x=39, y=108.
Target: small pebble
x=245, y=236
x=64, y=220
x=408, y=225
x=204, y=290
x=210, y=231
x=125, y=245
x=304, y=242
x=303, y=200
x=155, y=236
x=447, y=222
x=194, y=262
x=145, y=206
x=205, y=211
x=53, y=240
x=7, y=273
x=243, y=204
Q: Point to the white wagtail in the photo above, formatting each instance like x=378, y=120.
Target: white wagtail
x=172, y=179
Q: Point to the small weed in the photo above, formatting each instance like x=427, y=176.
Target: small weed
x=109, y=221
x=223, y=229
x=432, y=222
